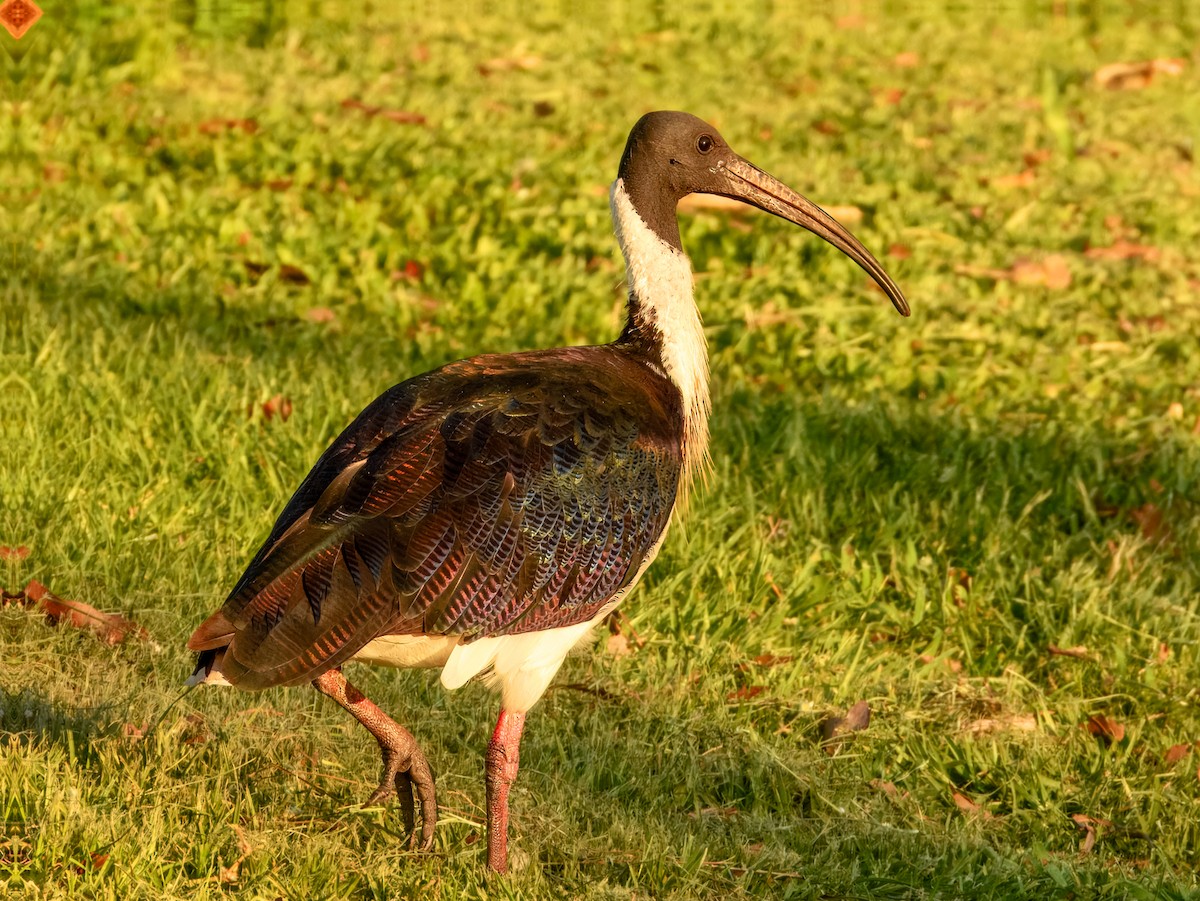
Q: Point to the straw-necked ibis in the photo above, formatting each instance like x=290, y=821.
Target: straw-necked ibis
x=483, y=517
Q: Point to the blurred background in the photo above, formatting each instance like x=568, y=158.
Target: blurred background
x=231, y=225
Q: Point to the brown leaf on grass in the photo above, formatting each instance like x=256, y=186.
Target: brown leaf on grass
x=230, y=874
x=111, y=628
x=293, y=275
x=543, y=108
x=217, y=126
x=1135, y=76
x=399, y=116
x=132, y=732
x=906, y=60
x=255, y=270
x=1150, y=522
x=322, y=315
x=1085, y=823
x=1023, y=179
x=1079, y=651
x=412, y=272
x=836, y=729
x=1124, y=250
x=618, y=645
x=888, y=788
x=277, y=406
x=846, y=213
x=21, y=552
x=1034, y=158
x=899, y=251
x=1176, y=753
x=966, y=805
x=1051, y=272
x=509, y=64
x=1106, y=729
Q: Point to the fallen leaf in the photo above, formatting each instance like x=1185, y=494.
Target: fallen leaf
x=899, y=251
x=402, y=117
x=1135, y=76
x=1034, y=158
x=277, y=406
x=966, y=805
x=618, y=645
x=767, y=660
x=1085, y=823
x=543, y=108
x=1106, y=729
x=293, y=275
x=888, y=788
x=111, y=628
x=1052, y=272
x=1124, y=250
x=1079, y=651
x=1149, y=519
x=1176, y=753
x=835, y=729
x=217, y=126
x=847, y=214
x=279, y=184
x=230, y=874
x=321, y=315
x=1023, y=179
x=509, y=64
x=906, y=60
x=14, y=553
x=255, y=270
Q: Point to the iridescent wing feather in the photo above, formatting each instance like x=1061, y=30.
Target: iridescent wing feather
x=497, y=495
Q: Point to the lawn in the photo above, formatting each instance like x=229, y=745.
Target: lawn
x=230, y=227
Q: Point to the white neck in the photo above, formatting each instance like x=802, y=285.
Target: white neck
x=660, y=285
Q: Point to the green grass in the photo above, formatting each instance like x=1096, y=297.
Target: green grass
x=1042, y=440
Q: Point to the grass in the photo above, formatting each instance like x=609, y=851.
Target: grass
x=911, y=513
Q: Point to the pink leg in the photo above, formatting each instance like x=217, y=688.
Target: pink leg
x=503, y=756
x=404, y=764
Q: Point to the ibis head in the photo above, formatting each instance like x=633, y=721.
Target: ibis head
x=671, y=154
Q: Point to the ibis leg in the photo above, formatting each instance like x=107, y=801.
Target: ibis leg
x=404, y=764
x=503, y=756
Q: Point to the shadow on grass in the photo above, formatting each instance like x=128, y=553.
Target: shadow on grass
x=31, y=717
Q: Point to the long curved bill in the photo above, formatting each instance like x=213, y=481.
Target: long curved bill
x=752, y=185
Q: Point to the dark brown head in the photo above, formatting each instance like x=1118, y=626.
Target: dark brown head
x=671, y=154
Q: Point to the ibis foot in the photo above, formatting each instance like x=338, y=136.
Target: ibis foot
x=405, y=768
x=502, y=761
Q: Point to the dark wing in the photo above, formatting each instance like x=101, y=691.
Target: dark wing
x=496, y=495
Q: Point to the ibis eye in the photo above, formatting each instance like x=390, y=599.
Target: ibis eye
x=704, y=143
